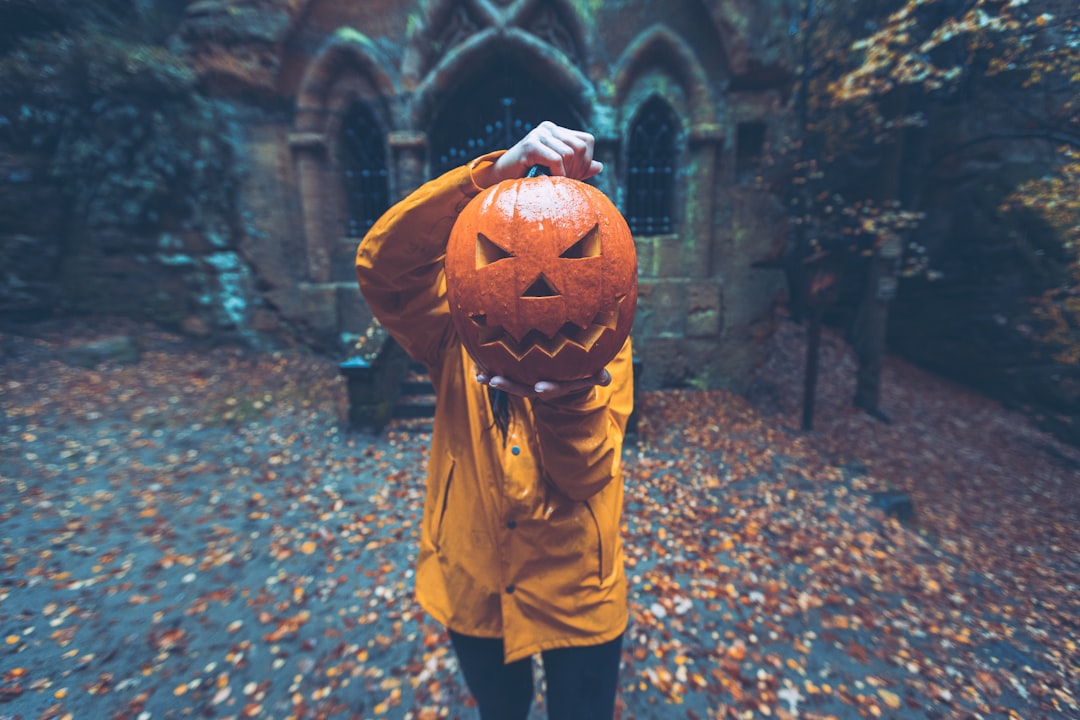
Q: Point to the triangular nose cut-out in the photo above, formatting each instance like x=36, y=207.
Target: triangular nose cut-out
x=541, y=287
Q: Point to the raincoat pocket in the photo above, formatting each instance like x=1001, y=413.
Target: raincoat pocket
x=444, y=502
x=605, y=555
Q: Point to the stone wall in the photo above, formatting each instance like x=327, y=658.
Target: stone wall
x=197, y=281
x=298, y=65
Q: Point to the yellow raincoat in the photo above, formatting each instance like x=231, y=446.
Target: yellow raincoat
x=520, y=540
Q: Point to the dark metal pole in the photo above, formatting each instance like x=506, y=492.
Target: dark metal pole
x=813, y=345
x=813, y=333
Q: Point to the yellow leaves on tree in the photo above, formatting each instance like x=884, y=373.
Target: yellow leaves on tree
x=1055, y=198
x=903, y=52
x=893, y=56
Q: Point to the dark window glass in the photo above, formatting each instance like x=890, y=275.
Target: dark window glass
x=363, y=158
x=499, y=132
x=492, y=111
x=650, y=187
x=749, y=147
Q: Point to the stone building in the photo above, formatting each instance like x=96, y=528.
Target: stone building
x=346, y=106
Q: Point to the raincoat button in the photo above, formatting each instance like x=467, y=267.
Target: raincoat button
x=510, y=588
x=516, y=450
x=511, y=524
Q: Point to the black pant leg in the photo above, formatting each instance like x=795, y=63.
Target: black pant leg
x=502, y=692
x=582, y=682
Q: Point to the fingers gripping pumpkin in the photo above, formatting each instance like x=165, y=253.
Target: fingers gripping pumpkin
x=541, y=277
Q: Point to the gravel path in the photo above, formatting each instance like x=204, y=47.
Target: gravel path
x=197, y=535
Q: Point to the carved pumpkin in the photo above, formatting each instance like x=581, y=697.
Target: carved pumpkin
x=541, y=277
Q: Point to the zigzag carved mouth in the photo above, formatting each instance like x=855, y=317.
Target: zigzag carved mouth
x=569, y=334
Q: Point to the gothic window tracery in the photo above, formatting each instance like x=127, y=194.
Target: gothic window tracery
x=363, y=160
x=459, y=27
x=549, y=27
x=650, y=191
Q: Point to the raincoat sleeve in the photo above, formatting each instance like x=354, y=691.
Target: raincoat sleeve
x=581, y=436
x=399, y=263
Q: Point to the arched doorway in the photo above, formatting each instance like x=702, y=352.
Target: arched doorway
x=491, y=110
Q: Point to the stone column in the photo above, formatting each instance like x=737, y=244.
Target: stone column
x=309, y=149
x=606, y=150
x=408, y=149
x=705, y=138
x=318, y=293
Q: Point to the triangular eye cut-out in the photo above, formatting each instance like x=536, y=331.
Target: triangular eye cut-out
x=541, y=287
x=588, y=246
x=488, y=252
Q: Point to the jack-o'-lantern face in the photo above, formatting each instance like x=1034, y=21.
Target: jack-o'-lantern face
x=541, y=277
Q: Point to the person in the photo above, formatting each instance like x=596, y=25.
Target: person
x=520, y=552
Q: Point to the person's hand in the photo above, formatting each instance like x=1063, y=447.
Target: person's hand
x=561, y=150
x=545, y=389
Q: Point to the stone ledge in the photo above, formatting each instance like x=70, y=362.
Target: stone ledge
x=706, y=132
x=407, y=139
x=307, y=141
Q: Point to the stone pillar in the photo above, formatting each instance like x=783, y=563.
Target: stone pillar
x=698, y=234
x=309, y=149
x=606, y=150
x=409, y=152
x=608, y=144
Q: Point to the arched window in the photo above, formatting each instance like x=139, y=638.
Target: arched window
x=492, y=110
x=650, y=191
x=363, y=158
x=504, y=128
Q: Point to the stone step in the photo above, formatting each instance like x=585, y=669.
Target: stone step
x=417, y=399
x=416, y=395
x=413, y=410
x=413, y=388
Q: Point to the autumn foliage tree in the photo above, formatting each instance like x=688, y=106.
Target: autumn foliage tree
x=908, y=113
x=1056, y=197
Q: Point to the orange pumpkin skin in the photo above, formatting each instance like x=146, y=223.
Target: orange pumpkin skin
x=541, y=277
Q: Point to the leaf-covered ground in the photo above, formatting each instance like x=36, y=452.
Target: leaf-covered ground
x=198, y=535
